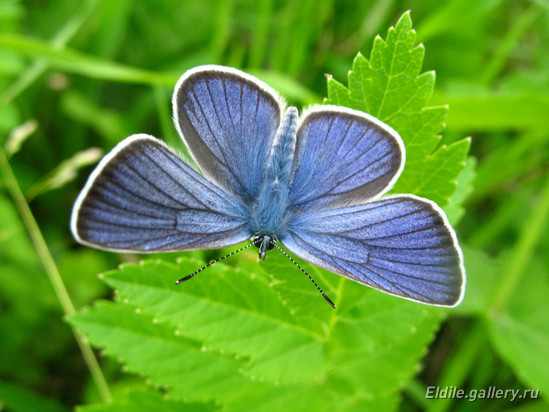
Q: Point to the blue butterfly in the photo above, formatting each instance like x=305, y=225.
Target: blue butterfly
x=313, y=182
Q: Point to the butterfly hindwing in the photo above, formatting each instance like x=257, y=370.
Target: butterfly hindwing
x=144, y=198
x=228, y=120
x=343, y=157
x=402, y=245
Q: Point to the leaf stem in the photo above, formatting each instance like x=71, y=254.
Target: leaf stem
x=52, y=272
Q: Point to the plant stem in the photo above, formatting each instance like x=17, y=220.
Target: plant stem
x=52, y=272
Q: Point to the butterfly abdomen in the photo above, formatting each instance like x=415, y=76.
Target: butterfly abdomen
x=273, y=195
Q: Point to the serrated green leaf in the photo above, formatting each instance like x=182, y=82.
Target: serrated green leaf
x=454, y=209
x=272, y=336
x=190, y=371
x=227, y=310
x=391, y=87
x=430, y=178
x=155, y=349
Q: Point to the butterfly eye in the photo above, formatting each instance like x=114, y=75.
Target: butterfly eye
x=258, y=240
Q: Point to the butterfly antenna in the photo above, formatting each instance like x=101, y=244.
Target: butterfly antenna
x=211, y=263
x=309, y=276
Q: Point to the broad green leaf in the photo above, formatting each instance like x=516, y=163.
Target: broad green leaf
x=391, y=87
x=375, y=348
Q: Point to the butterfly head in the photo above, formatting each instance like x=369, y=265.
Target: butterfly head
x=264, y=243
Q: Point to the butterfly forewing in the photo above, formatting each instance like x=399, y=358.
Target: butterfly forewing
x=402, y=245
x=228, y=120
x=343, y=157
x=143, y=198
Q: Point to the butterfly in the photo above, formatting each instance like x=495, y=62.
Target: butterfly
x=313, y=182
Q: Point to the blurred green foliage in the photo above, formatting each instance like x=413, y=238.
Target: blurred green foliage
x=87, y=74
